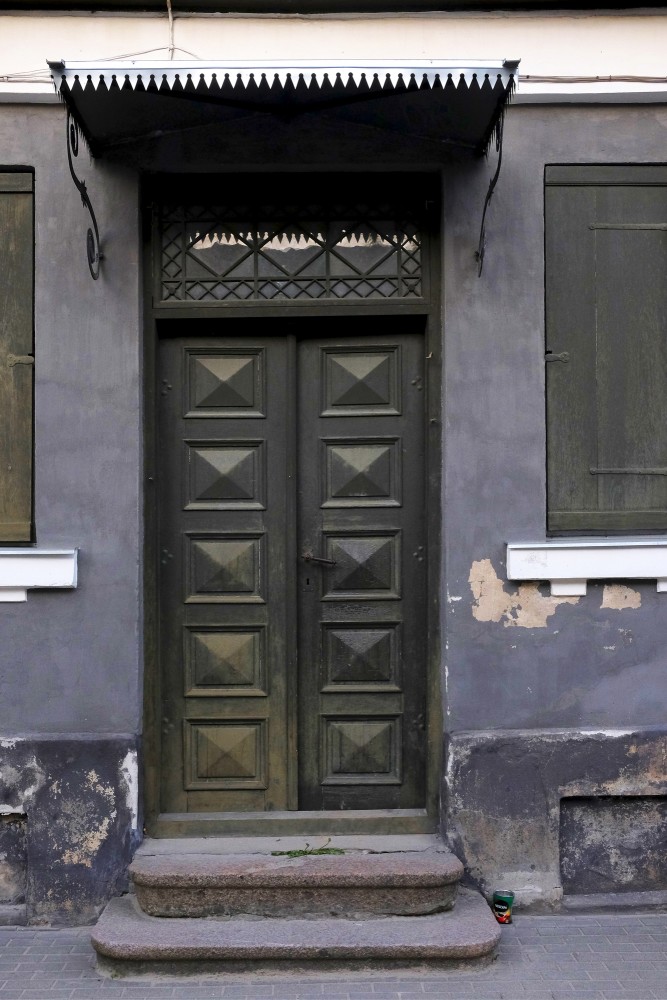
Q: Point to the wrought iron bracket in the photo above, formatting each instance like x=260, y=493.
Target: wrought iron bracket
x=93, y=234
x=481, y=246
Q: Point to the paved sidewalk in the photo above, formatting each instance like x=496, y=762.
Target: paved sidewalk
x=605, y=957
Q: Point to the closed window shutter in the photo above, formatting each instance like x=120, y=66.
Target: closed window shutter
x=606, y=333
x=16, y=349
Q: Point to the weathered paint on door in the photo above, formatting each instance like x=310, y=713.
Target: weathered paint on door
x=292, y=564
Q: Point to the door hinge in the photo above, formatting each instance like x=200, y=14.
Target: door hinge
x=19, y=359
x=563, y=356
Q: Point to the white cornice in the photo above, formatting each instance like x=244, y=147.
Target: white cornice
x=35, y=569
x=568, y=564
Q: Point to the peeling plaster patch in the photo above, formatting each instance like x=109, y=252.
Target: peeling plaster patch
x=654, y=759
x=83, y=824
x=609, y=647
x=527, y=608
x=129, y=771
x=10, y=743
x=616, y=597
x=9, y=776
x=88, y=846
x=93, y=782
x=607, y=732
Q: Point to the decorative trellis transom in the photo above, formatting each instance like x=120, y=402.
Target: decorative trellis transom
x=266, y=252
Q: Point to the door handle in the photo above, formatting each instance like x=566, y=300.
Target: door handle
x=309, y=557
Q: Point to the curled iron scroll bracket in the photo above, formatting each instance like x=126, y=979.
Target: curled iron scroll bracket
x=93, y=234
x=481, y=247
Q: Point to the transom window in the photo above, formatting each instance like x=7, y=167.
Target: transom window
x=308, y=250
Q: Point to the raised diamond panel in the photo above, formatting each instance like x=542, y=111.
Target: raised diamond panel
x=366, y=567
x=224, y=383
x=362, y=473
x=362, y=751
x=225, y=569
x=225, y=754
x=224, y=661
x=224, y=475
x=361, y=657
x=360, y=382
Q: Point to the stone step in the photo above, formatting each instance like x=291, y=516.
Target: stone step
x=128, y=941
x=353, y=884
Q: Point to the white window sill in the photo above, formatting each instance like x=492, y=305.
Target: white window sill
x=22, y=570
x=568, y=564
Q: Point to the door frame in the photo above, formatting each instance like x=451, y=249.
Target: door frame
x=156, y=321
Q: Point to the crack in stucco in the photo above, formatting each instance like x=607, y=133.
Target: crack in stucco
x=525, y=608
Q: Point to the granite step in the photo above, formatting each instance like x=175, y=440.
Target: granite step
x=128, y=941
x=353, y=884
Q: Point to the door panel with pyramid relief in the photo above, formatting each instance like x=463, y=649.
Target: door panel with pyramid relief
x=292, y=571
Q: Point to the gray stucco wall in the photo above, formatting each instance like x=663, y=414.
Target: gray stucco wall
x=71, y=659
x=524, y=675
x=70, y=670
x=518, y=660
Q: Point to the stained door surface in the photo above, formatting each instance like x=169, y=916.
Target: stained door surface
x=292, y=568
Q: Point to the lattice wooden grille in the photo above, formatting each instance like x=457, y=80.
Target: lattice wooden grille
x=267, y=252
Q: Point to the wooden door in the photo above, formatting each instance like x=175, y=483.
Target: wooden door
x=292, y=569
x=362, y=621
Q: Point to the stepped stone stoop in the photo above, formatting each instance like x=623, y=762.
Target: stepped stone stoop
x=129, y=941
x=354, y=884
x=208, y=906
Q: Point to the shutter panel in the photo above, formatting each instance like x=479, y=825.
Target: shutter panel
x=16, y=342
x=606, y=306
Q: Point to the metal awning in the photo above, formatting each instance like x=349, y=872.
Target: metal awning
x=456, y=103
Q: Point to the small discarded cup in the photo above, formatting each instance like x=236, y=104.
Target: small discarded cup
x=503, y=900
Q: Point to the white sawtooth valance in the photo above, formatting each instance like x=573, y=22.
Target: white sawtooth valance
x=454, y=102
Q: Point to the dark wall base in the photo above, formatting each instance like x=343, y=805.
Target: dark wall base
x=506, y=792
x=614, y=844
x=13, y=858
x=76, y=800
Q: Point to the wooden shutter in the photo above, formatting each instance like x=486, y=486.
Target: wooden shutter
x=606, y=326
x=16, y=349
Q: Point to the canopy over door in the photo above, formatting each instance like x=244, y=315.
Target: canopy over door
x=124, y=104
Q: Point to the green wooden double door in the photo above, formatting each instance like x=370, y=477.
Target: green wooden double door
x=292, y=566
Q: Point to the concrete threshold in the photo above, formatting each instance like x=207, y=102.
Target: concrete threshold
x=369, y=843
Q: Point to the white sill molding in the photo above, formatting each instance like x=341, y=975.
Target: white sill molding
x=22, y=570
x=568, y=564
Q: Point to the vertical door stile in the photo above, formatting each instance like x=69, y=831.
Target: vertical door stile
x=292, y=542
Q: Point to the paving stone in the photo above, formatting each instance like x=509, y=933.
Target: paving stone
x=519, y=973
